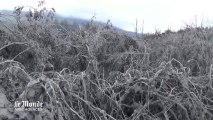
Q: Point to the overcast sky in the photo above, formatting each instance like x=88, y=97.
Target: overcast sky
x=156, y=14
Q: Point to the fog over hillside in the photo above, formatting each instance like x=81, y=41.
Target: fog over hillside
x=151, y=14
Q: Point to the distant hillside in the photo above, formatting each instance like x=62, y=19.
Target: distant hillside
x=75, y=22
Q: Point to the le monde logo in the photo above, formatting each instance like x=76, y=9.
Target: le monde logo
x=28, y=106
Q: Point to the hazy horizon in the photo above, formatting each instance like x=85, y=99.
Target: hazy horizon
x=151, y=14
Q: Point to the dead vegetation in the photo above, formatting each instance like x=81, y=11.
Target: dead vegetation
x=100, y=74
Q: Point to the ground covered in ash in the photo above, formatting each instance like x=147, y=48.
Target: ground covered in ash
x=99, y=73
